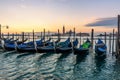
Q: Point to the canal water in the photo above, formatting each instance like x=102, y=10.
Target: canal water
x=54, y=66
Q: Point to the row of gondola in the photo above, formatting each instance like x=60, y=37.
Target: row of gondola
x=43, y=46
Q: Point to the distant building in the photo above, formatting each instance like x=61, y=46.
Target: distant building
x=103, y=35
x=63, y=30
x=82, y=34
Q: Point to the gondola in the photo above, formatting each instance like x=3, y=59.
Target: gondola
x=67, y=46
x=83, y=49
x=51, y=47
x=25, y=47
x=31, y=46
x=100, y=47
x=10, y=45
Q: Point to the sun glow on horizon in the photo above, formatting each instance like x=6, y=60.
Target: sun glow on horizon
x=26, y=15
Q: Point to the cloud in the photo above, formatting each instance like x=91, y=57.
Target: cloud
x=106, y=22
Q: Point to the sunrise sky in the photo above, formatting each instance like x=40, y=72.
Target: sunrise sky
x=26, y=15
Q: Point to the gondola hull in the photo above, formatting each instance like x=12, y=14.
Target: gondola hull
x=45, y=49
x=100, y=51
x=64, y=50
x=9, y=47
x=81, y=51
x=100, y=48
x=25, y=49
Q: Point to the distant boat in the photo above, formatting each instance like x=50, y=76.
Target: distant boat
x=67, y=46
x=100, y=47
x=84, y=48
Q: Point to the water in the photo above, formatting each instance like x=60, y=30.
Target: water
x=52, y=66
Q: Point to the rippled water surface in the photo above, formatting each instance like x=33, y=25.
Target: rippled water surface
x=52, y=66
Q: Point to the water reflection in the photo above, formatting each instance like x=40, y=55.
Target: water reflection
x=100, y=62
x=52, y=66
x=64, y=67
x=80, y=58
x=63, y=56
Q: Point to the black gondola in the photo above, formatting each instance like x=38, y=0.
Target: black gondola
x=84, y=48
x=9, y=44
x=31, y=46
x=66, y=46
x=100, y=47
x=51, y=47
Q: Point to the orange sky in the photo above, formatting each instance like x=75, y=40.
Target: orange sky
x=26, y=15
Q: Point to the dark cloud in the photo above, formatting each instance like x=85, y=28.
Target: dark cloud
x=107, y=22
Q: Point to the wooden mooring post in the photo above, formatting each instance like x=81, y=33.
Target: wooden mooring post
x=29, y=36
x=8, y=35
x=113, y=41
x=74, y=33
x=118, y=38
x=48, y=35
x=33, y=36
x=110, y=43
x=105, y=38
x=16, y=35
x=13, y=36
x=116, y=42
x=92, y=38
x=41, y=35
x=0, y=31
x=44, y=34
x=80, y=38
x=22, y=36
x=58, y=34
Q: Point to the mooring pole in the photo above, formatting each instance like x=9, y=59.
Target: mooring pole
x=13, y=36
x=118, y=34
x=92, y=38
x=41, y=35
x=16, y=35
x=117, y=45
x=105, y=38
x=33, y=36
x=110, y=43
x=113, y=41
x=44, y=35
x=80, y=38
x=22, y=36
x=74, y=32
x=70, y=33
x=29, y=36
x=0, y=31
x=48, y=36
x=58, y=34
x=8, y=35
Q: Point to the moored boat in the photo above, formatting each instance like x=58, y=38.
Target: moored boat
x=51, y=47
x=31, y=46
x=84, y=48
x=100, y=47
x=9, y=44
x=66, y=46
